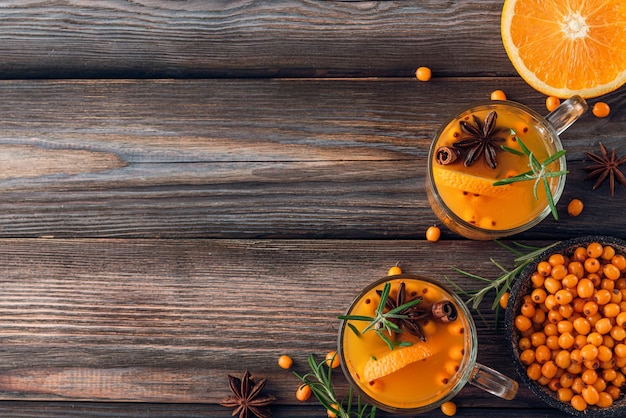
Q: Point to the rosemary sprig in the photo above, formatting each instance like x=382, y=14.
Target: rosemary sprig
x=538, y=172
x=319, y=380
x=382, y=323
x=502, y=283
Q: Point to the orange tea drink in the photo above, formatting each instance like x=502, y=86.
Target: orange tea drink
x=487, y=144
x=424, y=358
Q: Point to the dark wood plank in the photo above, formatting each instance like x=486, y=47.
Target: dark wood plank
x=163, y=39
x=167, y=320
x=252, y=158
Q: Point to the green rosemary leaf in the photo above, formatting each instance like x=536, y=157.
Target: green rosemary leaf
x=354, y=329
x=554, y=157
x=356, y=317
x=512, y=150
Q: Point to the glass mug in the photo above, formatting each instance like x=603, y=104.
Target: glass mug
x=463, y=196
x=446, y=358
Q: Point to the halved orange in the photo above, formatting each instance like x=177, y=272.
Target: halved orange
x=567, y=47
x=395, y=360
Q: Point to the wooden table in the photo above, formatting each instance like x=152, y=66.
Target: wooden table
x=191, y=189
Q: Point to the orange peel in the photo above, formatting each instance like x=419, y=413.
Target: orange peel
x=395, y=360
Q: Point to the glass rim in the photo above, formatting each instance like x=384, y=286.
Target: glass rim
x=468, y=362
x=497, y=233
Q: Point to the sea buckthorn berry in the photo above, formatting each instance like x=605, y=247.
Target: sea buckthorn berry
x=592, y=265
x=582, y=325
x=602, y=296
x=554, y=316
x=595, y=338
x=522, y=323
x=498, y=95
x=332, y=359
x=619, y=261
x=550, y=303
x=433, y=233
x=590, y=394
x=567, y=311
x=394, y=270
x=577, y=268
x=575, y=207
x=611, y=272
x=528, y=310
x=565, y=326
x=504, y=300
x=567, y=379
x=618, y=333
x=550, y=329
x=448, y=408
x=585, y=288
x=590, y=308
x=556, y=259
x=544, y=268
x=578, y=304
x=537, y=279
x=564, y=296
x=601, y=110
x=285, y=361
x=603, y=326
x=611, y=310
x=604, y=353
x=565, y=394
x=523, y=344
x=566, y=341
x=534, y=371
x=608, y=252
x=580, y=254
x=605, y=400
x=423, y=73
x=595, y=249
x=552, y=341
x=562, y=359
x=542, y=354
x=609, y=374
x=539, y=317
x=554, y=384
x=527, y=356
x=552, y=102
x=559, y=271
x=595, y=279
x=538, y=338
x=539, y=295
x=579, y=342
x=303, y=393
x=614, y=391
x=607, y=284
x=620, y=350
x=549, y=369
x=552, y=285
x=621, y=319
x=589, y=376
x=578, y=403
x=589, y=352
x=617, y=297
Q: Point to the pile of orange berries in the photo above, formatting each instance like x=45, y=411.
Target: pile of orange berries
x=573, y=326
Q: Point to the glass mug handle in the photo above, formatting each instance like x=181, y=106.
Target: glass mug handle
x=563, y=116
x=493, y=382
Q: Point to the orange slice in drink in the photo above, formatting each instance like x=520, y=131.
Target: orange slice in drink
x=567, y=47
x=395, y=360
x=469, y=183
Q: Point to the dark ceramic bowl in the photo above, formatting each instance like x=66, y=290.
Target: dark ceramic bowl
x=523, y=286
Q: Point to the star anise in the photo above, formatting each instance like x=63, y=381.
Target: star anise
x=409, y=317
x=246, y=399
x=481, y=141
x=606, y=166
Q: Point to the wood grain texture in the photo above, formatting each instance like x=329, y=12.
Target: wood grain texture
x=164, y=39
x=252, y=158
x=167, y=320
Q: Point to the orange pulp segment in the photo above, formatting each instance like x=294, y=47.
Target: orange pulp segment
x=567, y=47
x=395, y=360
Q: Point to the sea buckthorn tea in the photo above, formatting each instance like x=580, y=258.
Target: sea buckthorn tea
x=424, y=358
x=489, y=144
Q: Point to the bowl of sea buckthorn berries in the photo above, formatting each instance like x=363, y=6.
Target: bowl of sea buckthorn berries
x=566, y=325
